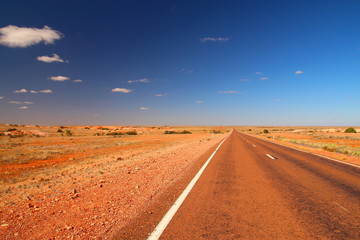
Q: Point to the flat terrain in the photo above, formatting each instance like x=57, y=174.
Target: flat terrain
x=90, y=184
x=254, y=189
x=105, y=182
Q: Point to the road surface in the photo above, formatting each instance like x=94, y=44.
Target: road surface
x=254, y=189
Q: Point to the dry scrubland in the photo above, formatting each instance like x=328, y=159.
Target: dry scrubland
x=332, y=142
x=86, y=182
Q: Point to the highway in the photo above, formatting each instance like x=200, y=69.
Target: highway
x=254, y=189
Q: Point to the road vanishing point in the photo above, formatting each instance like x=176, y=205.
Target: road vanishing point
x=254, y=189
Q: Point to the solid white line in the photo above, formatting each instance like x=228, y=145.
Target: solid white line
x=173, y=209
x=342, y=207
x=270, y=156
x=332, y=159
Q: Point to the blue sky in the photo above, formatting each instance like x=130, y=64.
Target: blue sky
x=180, y=62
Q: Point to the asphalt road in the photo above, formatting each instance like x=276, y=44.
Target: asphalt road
x=254, y=189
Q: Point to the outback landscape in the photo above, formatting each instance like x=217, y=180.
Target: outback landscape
x=80, y=182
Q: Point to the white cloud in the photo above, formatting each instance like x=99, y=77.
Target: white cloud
x=24, y=107
x=78, y=81
x=123, y=90
x=17, y=102
x=33, y=91
x=187, y=70
x=144, y=108
x=46, y=91
x=20, y=91
x=59, y=78
x=144, y=80
x=47, y=59
x=211, y=39
x=1, y=97
x=229, y=92
x=298, y=72
x=199, y=101
x=244, y=80
x=258, y=73
x=277, y=99
x=264, y=78
x=14, y=36
x=161, y=95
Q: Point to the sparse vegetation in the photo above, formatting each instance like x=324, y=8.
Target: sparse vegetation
x=350, y=130
x=266, y=131
x=216, y=131
x=68, y=133
x=174, y=132
x=131, y=132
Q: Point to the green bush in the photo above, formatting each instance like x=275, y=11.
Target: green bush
x=216, y=131
x=11, y=129
x=131, y=133
x=68, y=133
x=266, y=131
x=174, y=132
x=350, y=130
x=59, y=130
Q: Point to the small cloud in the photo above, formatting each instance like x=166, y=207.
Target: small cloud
x=78, y=81
x=32, y=91
x=123, y=90
x=211, y=39
x=277, y=99
x=264, y=78
x=59, y=78
x=23, y=107
x=258, y=73
x=1, y=97
x=17, y=102
x=20, y=91
x=186, y=70
x=46, y=91
x=54, y=58
x=161, y=95
x=244, y=80
x=144, y=80
x=298, y=72
x=229, y=92
x=199, y=101
x=144, y=108
x=14, y=36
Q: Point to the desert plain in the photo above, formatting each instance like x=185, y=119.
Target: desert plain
x=90, y=182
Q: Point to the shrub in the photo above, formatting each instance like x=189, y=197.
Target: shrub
x=11, y=129
x=116, y=133
x=266, y=131
x=216, y=131
x=68, y=133
x=131, y=133
x=350, y=130
x=330, y=148
x=59, y=130
x=169, y=132
x=185, y=132
x=249, y=130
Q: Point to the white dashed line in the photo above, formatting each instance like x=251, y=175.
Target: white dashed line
x=342, y=207
x=173, y=209
x=270, y=156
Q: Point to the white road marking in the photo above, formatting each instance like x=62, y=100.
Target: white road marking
x=253, y=145
x=342, y=207
x=270, y=156
x=332, y=159
x=159, y=229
